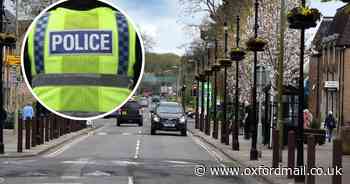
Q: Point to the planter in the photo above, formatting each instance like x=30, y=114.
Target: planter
x=225, y=62
x=256, y=44
x=7, y=39
x=237, y=54
x=215, y=67
x=345, y=136
x=303, y=17
x=320, y=135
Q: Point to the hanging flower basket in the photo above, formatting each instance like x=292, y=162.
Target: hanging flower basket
x=7, y=38
x=208, y=71
x=256, y=44
x=237, y=54
x=215, y=67
x=202, y=77
x=225, y=62
x=303, y=17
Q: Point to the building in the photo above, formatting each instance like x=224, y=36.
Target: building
x=330, y=67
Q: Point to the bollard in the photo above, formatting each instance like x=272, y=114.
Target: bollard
x=51, y=117
x=311, y=156
x=47, y=128
x=27, y=124
x=291, y=152
x=34, y=131
x=60, y=123
x=20, y=135
x=41, y=130
x=275, y=148
x=68, y=127
x=56, y=128
x=337, y=160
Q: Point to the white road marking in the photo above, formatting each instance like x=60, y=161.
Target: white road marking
x=124, y=163
x=79, y=162
x=2, y=180
x=211, y=152
x=70, y=177
x=137, y=152
x=126, y=133
x=66, y=147
x=102, y=133
x=177, y=162
x=57, y=183
x=98, y=173
x=140, y=132
x=130, y=180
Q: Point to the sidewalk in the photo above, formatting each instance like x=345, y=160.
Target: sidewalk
x=323, y=157
x=10, y=141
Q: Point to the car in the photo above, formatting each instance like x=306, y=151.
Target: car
x=169, y=116
x=143, y=102
x=130, y=113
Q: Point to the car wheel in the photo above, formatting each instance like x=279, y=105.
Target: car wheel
x=153, y=131
x=184, y=132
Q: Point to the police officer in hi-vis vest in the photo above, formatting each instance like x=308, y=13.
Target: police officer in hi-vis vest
x=82, y=58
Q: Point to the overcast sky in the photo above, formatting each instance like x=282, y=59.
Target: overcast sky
x=160, y=19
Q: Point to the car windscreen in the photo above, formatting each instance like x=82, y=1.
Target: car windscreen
x=170, y=109
x=132, y=105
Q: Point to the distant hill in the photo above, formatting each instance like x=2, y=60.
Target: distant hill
x=158, y=63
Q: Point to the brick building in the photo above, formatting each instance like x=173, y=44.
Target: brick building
x=330, y=67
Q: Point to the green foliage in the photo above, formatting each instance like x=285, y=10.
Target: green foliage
x=158, y=63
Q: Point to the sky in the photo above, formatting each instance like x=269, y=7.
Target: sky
x=163, y=20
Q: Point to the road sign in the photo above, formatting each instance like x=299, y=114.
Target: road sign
x=13, y=60
x=331, y=84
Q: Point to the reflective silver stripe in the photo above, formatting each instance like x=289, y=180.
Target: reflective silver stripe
x=82, y=114
x=102, y=80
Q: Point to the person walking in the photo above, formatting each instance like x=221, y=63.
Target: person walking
x=330, y=124
x=27, y=112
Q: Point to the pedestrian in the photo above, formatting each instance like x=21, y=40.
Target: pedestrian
x=27, y=112
x=307, y=118
x=330, y=124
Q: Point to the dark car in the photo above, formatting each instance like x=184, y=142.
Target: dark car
x=130, y=113
x=169, y=116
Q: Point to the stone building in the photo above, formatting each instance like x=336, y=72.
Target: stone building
x=330, y=67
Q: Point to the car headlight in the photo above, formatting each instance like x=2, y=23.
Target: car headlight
x=182, y=119
x=156, y=119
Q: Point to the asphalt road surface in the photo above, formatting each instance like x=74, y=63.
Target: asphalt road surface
x=120, y=155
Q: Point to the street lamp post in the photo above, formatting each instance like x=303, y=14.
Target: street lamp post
x=208, y=72
x=2, y=111
x=197, y=95
x=300, y=130
x=216, y=69
x=253, y=150
x=225, y=63
x=235, y=127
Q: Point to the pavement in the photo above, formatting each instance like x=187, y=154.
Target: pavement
x=10, y=141
x=242, y=157
x=126, y=155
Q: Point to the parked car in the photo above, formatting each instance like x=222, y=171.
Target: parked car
x=169, y=116
x=130, y=113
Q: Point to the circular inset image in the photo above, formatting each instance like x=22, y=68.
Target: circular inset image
x=82, y=59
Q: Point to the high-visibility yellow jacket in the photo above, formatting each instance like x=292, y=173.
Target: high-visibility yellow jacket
x=82, y=61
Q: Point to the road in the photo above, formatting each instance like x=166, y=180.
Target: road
x=120, y=155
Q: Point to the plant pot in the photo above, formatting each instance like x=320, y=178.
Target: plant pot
x=345, y=136
x=237, y=54
x=303, y=17
x=320, y=135
x=225, y=62
x=256, y=44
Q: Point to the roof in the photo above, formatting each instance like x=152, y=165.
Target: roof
x=341, y=25
x=322, y=32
